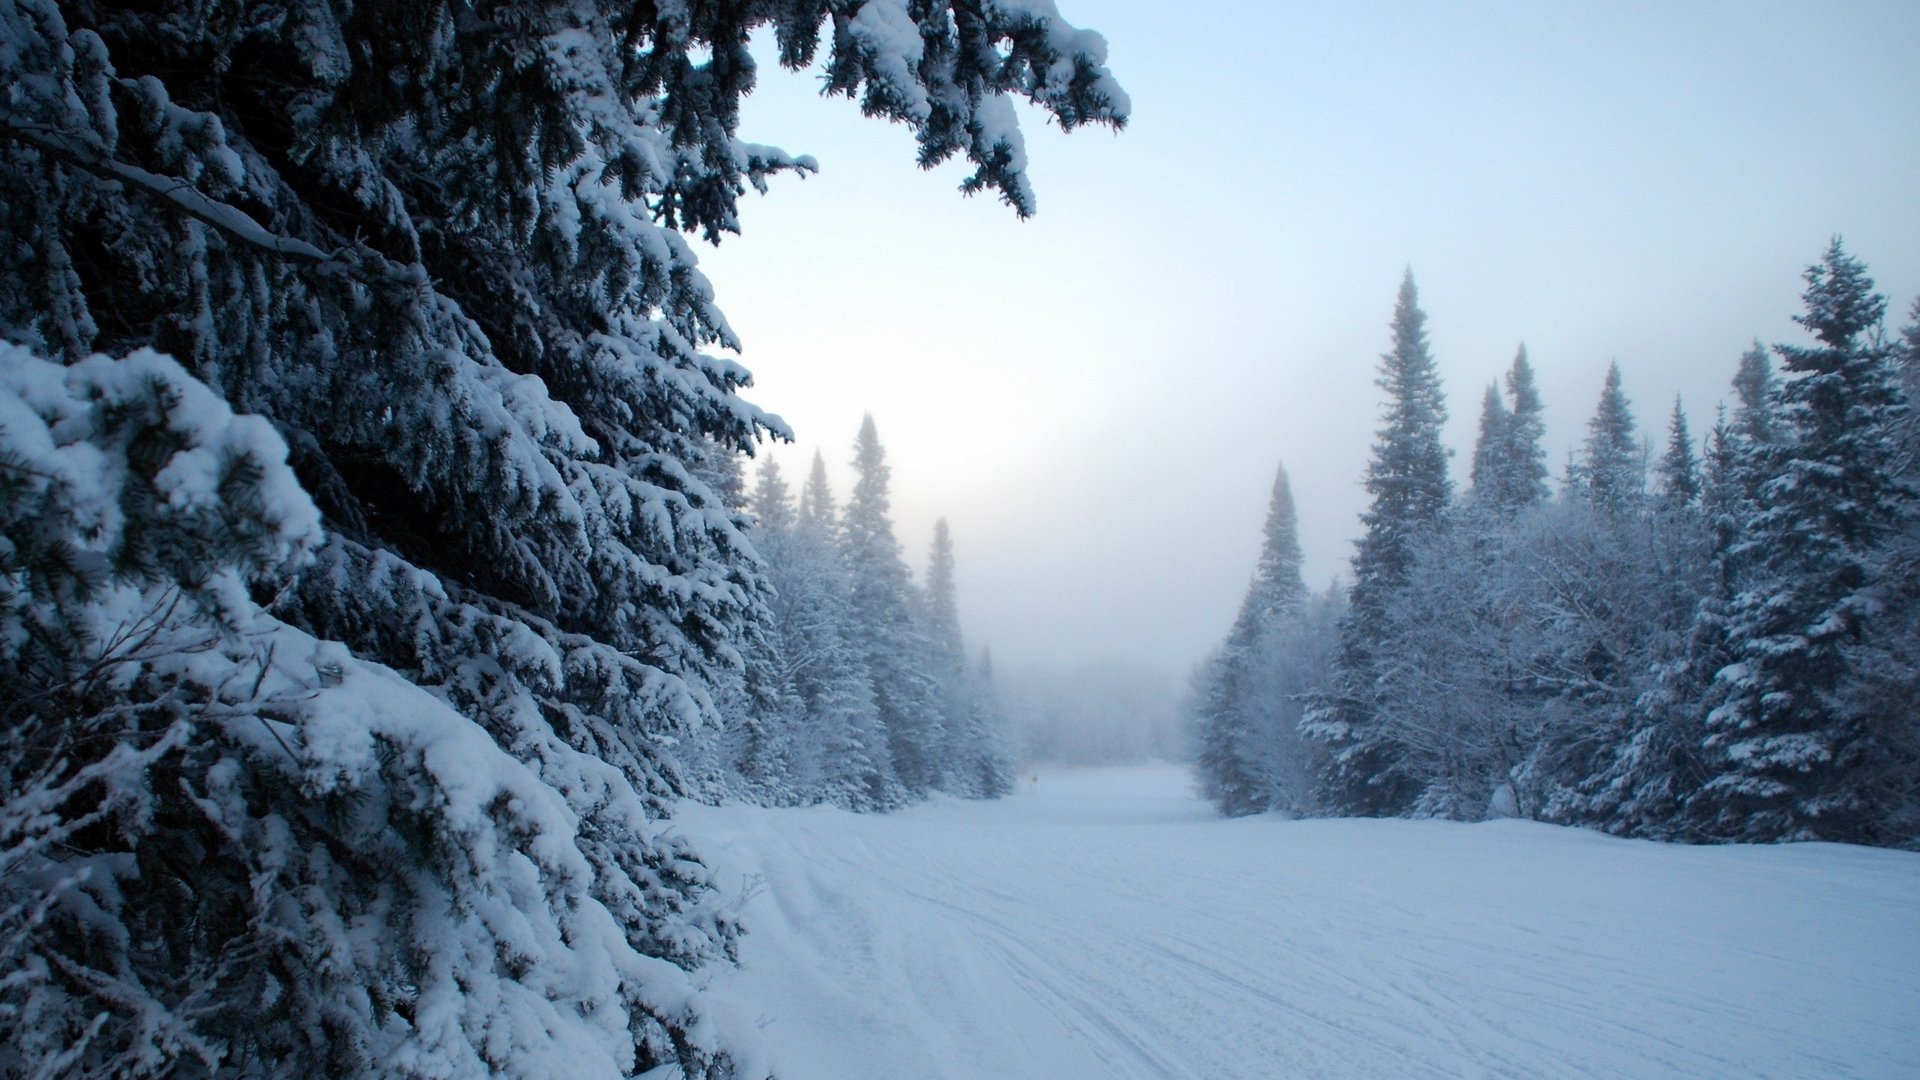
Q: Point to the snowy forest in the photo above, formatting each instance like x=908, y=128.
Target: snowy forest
x=1712, y=639
x=389, y=550
x=376, y=557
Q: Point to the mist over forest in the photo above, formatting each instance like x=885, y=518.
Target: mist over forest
x=432, y=644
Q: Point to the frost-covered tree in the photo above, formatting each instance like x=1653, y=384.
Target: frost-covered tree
x=1525, y=460
x=1407, y=480
x=978, y=759
x=1797, y=755
x=1754, y=386
x=442, y=250
x=1490, y=447
x=1907, y=351
x=943, y=600
x=1509, y=461
x=228, y=846
x=1244, y=737
x=1612, y=470
x=841, y=754
x=1678, y=470
x=882, y=605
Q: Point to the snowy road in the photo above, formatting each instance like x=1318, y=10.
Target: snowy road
x=1105, y=924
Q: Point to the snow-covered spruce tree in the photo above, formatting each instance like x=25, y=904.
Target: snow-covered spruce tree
x=758, y=753
x=230, y=848
x=1612, y=470
x=1240, y=734
x=1678, y=470
x=839, y=738
x=979, y=758
x=1525, y=460
x=989, y=716
x=441, y=250
x=1907, y=351
x=1407, y=479
x=1798, y=754
x=882, y=606
x=1490, y=447
x=1885, y=665
x=1509, y=462
x=1732, y=470
x=1754, y=386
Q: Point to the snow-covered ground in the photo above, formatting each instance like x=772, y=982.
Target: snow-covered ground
x=1104, y=923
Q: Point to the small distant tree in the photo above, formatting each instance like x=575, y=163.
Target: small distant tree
x=1246, y=723
x=1509, y=462
x=1612, y=469
x=1526, y=456
x=979, y=762
x=1679, y=471
x=1490, y=448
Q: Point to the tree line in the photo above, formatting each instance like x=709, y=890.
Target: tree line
x=1717, y=641
x=855, y=689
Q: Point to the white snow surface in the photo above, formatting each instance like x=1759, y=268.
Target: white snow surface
x=1105, y=923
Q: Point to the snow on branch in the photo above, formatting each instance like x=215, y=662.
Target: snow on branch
x=224, y=217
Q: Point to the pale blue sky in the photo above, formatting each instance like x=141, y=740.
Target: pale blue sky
x=1096, y=398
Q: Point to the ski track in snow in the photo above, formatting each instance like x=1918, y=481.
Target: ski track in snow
x=1104, y=923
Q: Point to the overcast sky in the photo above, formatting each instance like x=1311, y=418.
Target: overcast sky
x=1096, y=398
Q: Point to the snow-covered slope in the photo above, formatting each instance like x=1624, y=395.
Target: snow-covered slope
x=1105, y=923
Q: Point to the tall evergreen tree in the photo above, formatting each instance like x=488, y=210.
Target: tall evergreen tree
x=881, y=606
x=1613, y=466
x=1525, y=459
x=1679, y=472
x=1794, y=751
x=1236, y=728
x=1407, y=479
x=443, y=251
x=1907, y=349
x=1754, y=387
x=817, y=506
x=1277, y=591
x=842, y=736
x=943, y=600
x=978, y=761
x=1490, y=449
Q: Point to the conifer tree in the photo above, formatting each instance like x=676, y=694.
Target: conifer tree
x=1612, y=469
x=1238, y=730
x=1490, y=449
x=1797, y=757
x=1407, y=479
x=845, y=740
x=1679, y=473
x=1525, y=459
x=1907, y=349
x=443, y=252
x=943, y=603
x=1277, y=590
x=881, y=607
x=1754, y=386
x=978, y=761
x=1722, y=499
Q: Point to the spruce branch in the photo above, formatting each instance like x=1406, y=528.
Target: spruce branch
x=356, y=259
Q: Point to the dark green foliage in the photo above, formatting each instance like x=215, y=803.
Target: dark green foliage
x=443, y=250
x=1407, y=480
x=1793, y=745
